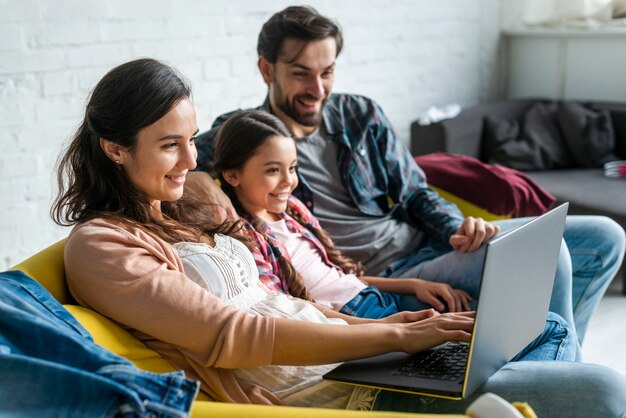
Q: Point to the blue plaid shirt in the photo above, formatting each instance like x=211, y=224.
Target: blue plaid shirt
x=376, y=169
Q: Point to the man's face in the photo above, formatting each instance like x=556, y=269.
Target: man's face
x=300, y=83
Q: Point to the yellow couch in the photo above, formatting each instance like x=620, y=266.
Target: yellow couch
x=47, y=268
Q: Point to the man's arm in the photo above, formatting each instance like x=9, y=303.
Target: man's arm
x=422, y=206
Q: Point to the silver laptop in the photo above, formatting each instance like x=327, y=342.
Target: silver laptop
x=516, y=286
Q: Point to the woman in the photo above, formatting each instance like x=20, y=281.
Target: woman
x=121, y=185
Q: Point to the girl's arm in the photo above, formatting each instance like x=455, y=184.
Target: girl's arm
x=428, y=292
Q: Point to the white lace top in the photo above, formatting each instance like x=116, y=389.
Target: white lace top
x=228, y=271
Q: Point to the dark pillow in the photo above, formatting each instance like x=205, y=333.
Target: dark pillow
x=587, y=133
x=534, y=143
x=619, y=129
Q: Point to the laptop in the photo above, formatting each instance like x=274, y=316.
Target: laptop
x=516, y=285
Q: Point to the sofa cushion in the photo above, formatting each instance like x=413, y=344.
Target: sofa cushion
x=113, y=337
x=619, y=127
x=587, y=133
x=532, y=143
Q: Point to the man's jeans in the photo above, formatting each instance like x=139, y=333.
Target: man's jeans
x=554, y=389
x=591, y=254
x=50, y=366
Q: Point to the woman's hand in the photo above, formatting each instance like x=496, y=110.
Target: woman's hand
x=203, y=186
x=472, y=233
x=409, y=316
x=433, y=293
x=430, y=332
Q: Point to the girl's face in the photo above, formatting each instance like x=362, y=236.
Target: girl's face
x=266, y=180
x=164, y=153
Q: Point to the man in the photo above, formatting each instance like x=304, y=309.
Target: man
x=368, y=192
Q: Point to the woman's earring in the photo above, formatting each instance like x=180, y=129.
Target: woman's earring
x=118, y=162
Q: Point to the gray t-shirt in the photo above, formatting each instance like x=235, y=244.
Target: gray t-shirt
x=374, y=241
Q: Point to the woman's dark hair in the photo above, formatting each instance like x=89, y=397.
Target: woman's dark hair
x=236, y=142
x=298, y=22
x=127, y=99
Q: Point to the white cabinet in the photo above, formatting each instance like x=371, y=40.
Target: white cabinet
x=566, y=64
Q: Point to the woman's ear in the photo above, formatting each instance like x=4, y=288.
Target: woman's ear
x=231, y=177
x=113, y=151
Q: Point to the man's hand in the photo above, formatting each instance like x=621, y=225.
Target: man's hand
x=472, y=233
x=203, y=186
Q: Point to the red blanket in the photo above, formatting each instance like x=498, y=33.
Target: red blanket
x=495, y=188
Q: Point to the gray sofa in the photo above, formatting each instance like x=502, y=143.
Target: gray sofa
x=587, y=189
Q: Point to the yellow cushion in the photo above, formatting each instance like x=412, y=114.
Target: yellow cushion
x=47, y=268
x=113, y=337
x=469, y=209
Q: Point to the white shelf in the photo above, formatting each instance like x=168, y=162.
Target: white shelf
x=571, y=64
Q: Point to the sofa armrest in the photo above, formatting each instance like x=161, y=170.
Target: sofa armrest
x=201, y=409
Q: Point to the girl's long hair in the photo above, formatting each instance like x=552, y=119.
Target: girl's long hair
x=127, y=99
x=236, y=142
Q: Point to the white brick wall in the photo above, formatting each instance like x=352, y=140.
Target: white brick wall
x=407, y=54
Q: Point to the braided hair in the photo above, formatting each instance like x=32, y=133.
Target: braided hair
x=237, y=141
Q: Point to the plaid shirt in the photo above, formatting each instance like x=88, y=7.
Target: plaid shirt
x=266, y=255
x=376, y=169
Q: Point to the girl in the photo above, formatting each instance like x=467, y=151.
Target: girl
x=255, y=159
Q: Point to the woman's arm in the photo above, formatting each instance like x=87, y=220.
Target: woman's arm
x=399, y=318
x=428, y=292
x=305, y=343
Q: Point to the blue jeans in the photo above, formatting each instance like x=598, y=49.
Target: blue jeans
x=556, y=342
x=50, y=366
x=592, y=252
x=553, y=389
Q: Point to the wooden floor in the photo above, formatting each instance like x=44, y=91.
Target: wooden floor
x=605, y=342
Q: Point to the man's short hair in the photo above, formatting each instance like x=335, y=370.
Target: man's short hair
x=299, y=22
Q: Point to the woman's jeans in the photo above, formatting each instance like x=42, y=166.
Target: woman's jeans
x=50, y=366
x=591, y=254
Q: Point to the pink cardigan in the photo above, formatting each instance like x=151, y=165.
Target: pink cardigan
x=137, y=279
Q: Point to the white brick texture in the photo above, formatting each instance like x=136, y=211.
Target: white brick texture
x=406, y=54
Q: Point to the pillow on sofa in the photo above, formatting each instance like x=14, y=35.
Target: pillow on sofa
x=587, y=133
x=533, y=143
x=619, y=129
x=499, y=190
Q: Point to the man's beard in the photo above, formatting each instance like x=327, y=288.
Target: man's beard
x=289, y=108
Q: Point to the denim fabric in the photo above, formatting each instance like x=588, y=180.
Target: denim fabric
x=555, y=389
x=372, y=303
x=592, y=251
x=50, y=366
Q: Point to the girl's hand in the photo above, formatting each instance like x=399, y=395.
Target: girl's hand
x=472, y=233
x=433, y=293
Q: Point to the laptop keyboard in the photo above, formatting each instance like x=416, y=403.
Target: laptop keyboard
x=445, y=363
